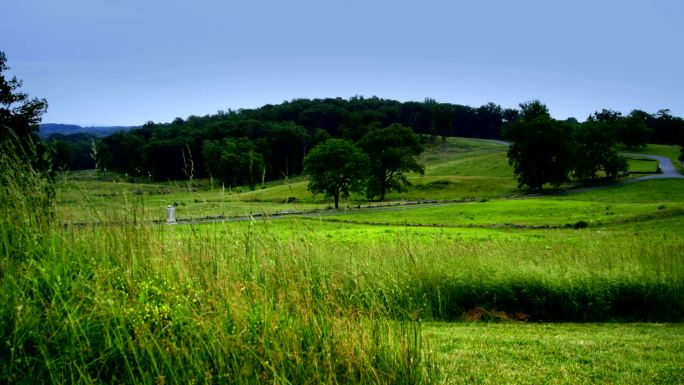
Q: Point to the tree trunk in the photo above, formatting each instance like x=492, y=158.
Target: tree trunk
x=337, y=201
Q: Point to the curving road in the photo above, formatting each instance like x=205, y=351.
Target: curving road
x=666, y=167
x=665, y=164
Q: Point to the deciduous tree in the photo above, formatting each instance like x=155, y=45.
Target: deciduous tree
x=392, y=151
x=595, y=150
x=335, y=168
x=541, y=149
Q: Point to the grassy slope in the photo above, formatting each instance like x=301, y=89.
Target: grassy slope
x=414, y=268
x=469, y=169
x=464, y=169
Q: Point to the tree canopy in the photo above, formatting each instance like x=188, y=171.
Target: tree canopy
x=546, y=151
x=596, y=150
x=392, y=151
x=541, y=151
x=335, y=168
x=283, y=134
x=250, y=146
x=19, y=115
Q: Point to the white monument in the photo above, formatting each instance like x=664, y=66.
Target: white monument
x=170, y=213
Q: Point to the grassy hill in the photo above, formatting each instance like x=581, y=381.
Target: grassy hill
x=488, y=285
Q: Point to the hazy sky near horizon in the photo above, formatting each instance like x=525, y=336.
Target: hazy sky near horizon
x=124, y=62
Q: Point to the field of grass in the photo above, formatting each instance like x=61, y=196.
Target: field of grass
x=642, y=166
x=133, y=302
x=479, y=171
x=467, y=157
x=546, y=212
x=667, y=151
x=504, y=353
x=461, y=169
x=473, y=292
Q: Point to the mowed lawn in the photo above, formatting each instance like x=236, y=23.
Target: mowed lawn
x=529, y=353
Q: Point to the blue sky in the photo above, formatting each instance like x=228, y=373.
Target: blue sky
x=124, y=62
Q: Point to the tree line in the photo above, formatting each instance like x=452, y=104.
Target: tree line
x=252, y=146
x=255, y=145
x=547, y=151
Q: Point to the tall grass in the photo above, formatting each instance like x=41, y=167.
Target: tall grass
x=248, y=303
x=584, y=278
x=26, y=209
x=634, y=279
x=134, y=303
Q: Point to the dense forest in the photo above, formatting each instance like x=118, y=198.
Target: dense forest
x=249, y=146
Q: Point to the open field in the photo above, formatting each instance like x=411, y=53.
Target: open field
x=463, y=169
x=523, y=212
x=473, y=292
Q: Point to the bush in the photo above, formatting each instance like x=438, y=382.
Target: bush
x=580, y=225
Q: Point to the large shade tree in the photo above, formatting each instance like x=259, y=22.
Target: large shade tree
x=630, y=130
x=596, y=150
x=392, y=151
x=541, y=149
x=336, y=168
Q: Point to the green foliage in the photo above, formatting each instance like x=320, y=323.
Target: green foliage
x=132, y=303
x=19, y=118
x=19, y=115
x=541, y=149
x=26, y=205
x=633, y=132
x=233, y=161
x=596, y=149
x=392, y=151
x=681, y=146
x=533, y=111
x=336, y=167
x=315, y=301
x=71, y=152
x=112, y=147
x=558, y=353
x=667, y=129
x=284, y=133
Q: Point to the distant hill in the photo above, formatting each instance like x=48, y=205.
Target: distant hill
x=48, y=129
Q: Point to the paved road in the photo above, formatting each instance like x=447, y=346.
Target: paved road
x=668, y=171
x=666, y=166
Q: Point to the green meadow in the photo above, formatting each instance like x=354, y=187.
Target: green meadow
x=483, y=284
